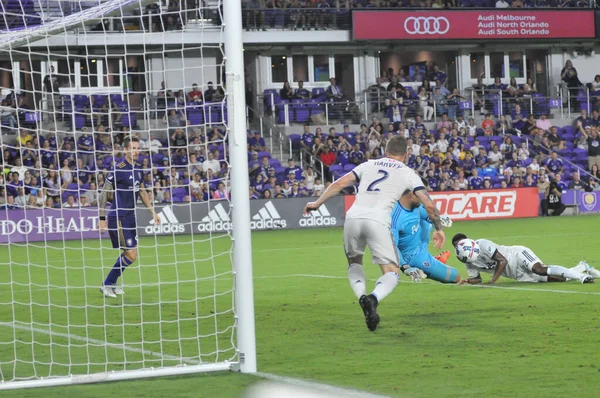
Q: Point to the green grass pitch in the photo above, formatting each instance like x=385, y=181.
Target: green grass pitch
x=434, y=340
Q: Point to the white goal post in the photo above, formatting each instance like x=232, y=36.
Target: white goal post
x=112, y=69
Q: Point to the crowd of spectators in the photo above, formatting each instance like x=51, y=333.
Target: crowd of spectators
x=460, y=155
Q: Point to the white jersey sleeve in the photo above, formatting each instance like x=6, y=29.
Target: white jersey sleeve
x=487, y=248
x=381, y=183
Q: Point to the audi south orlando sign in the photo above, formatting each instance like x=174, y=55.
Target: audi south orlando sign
x=485, y=25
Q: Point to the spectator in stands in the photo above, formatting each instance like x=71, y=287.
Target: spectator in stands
x=85, y=148
x=543, y=123
x=195, y=96
x=334, y=92
x=424, y=104
x=7, y=115
x=452, y=101
x=212, y=164
x=209, y=92
x=576, y=183
x=553, y=140
x=394, y=112
x=301, y=92
x=583, y=119
x=494, y=157
x=178, y=138
x=257, y=143
x=220, y=192
x=377, y=95
x=439, y=100
x=593, y=142
x=488, y=125
x=286, y=93
x=570, y=83
x=70, y=202
x=554, y=165
x=523, y=152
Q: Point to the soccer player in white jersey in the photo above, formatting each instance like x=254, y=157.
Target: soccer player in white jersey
x=515, y=262
x=381, y=182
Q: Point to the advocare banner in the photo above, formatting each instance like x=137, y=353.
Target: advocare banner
x=484, y=204
x=473, y=24
x=36, y=225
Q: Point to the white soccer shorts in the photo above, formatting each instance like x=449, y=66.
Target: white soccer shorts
x=361, y=232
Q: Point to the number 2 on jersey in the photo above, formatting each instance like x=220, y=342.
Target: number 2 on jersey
x=384, y=176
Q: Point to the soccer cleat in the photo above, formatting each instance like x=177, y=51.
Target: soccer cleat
x=443, y=257
x=589, y=269
x=586, y=279
x=108, y=291
x=369, y=307
x=118, y=290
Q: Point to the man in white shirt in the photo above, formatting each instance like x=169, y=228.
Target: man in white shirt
x=381, y=183
x=21, y=200
x=494, y=157
x=154, y=144
x=212, y=164
x=70, y=202
x=514, y=262
x=91, y=195
x=502, y=4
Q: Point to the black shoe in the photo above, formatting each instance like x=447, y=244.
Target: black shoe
x=369, y=307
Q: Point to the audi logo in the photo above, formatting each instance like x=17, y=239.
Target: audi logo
x=426, y=25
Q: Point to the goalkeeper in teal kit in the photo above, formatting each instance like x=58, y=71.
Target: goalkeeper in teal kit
x=411, y=228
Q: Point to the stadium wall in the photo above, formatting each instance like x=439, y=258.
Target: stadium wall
x=17, y=226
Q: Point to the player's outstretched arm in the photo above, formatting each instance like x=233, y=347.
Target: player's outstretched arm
x=146, y=201
x=502, y=262
x=106, y=189
x=439, y=238
x=332, y=190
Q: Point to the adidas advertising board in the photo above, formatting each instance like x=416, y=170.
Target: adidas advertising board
x=318, y=218
x=217, y=220
x=216, y=217
x=169, y=224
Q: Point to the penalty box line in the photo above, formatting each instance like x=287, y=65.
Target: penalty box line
x=98, y=343
x=289, y=380
x=319, y=276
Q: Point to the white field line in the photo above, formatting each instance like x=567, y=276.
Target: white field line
x=96, y=342
x=318, y=276
x=326, y=388
x=289, y=380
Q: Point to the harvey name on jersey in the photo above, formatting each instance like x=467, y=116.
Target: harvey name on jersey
x=381, y=183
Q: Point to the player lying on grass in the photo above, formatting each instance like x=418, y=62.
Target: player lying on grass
x=381, y=183
x=514, y=262
x=411, y=227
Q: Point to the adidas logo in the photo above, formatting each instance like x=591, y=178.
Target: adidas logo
x=169, y=223
x=267, y=218
x=217, y=220
x=317, y=218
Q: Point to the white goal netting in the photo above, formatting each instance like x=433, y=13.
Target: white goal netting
x=76, y=79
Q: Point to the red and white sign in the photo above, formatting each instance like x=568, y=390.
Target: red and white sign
x=472, y=24
x=483, y=204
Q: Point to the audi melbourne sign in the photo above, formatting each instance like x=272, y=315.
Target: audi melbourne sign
x=473, y=24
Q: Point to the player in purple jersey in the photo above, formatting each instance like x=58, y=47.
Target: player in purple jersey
x=125, y=185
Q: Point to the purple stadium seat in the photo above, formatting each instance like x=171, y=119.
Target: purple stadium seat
x=296, y=139
x=79, y=121
x=262, y=154
x=281, y=111
x=335, y=168
x=274, y=163
x=301, y=112
x=196, y=117
x=128, y=120
x=349, y=167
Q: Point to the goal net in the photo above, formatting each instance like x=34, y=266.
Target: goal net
x=76, y=79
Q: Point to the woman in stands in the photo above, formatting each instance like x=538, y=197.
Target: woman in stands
x=286, y=93
x=426, y=109
x=53, y=184
x=570, y=83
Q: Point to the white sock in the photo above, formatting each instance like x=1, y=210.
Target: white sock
x=557, y=270
x=358, y=280
x=385, y=285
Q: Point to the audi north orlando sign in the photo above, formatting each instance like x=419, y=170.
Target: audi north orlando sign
x=473, y=24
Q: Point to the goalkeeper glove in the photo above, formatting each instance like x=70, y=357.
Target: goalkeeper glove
x=446, y=221
x=415, y=274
